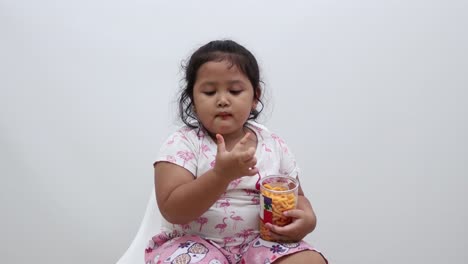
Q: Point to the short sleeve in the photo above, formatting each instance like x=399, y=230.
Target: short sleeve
x=180, y=149
x=288, y=164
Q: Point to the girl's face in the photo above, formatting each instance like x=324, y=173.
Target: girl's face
x=223, y=98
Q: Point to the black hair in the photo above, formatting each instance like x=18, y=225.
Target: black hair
x=218, y=50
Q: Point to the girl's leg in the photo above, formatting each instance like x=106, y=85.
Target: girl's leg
x=306, y=256
x=184, y=249
x=262, y=251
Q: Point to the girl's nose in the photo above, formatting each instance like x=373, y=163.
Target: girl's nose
x=222, y=101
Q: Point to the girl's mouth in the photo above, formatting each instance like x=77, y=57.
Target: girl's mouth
x=224, y=116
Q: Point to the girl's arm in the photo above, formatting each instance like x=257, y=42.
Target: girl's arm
x=304, y=204
x=181, y=198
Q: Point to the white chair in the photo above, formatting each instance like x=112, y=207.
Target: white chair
x=150, y=226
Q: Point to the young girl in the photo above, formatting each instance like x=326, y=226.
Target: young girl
x=207, y=172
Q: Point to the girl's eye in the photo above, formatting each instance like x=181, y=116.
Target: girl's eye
x=236, y=92
x=210, y=93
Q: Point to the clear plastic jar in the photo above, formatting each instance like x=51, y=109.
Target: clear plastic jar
x=278, y=193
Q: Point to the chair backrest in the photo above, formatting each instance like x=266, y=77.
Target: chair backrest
x=150, y=225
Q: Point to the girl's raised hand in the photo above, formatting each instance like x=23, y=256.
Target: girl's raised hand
x=238, y=162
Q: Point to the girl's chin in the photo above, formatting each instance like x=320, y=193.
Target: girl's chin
x=231, y=133
x=220, y=130
x=224, y=129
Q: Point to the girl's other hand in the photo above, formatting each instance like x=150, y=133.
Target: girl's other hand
x=238, y=162
x=301, y=225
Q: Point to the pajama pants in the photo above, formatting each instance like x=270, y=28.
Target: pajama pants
x=194, y=249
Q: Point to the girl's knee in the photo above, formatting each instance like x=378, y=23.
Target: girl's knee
x=307, y=256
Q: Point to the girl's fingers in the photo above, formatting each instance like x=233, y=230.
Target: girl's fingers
x=295, y=213
x=252, y=171
x=220, y=143
x=275, y=235
x=245, y=138
x=248, y=155
x=241, y=144
x=278, y=230
x=251, y=163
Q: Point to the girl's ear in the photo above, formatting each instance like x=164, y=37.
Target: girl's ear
x=258, y=93
x=254, y=104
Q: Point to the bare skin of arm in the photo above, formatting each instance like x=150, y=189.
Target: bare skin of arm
x=182, y=198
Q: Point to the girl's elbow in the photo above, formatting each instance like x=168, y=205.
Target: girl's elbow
x=313, y=223
x=174, y=217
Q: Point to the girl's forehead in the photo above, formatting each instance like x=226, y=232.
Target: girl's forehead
x=218, y=67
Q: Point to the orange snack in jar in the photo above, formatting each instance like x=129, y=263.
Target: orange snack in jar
x=278, y=194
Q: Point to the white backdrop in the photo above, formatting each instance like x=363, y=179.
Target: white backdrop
x=370, y=95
